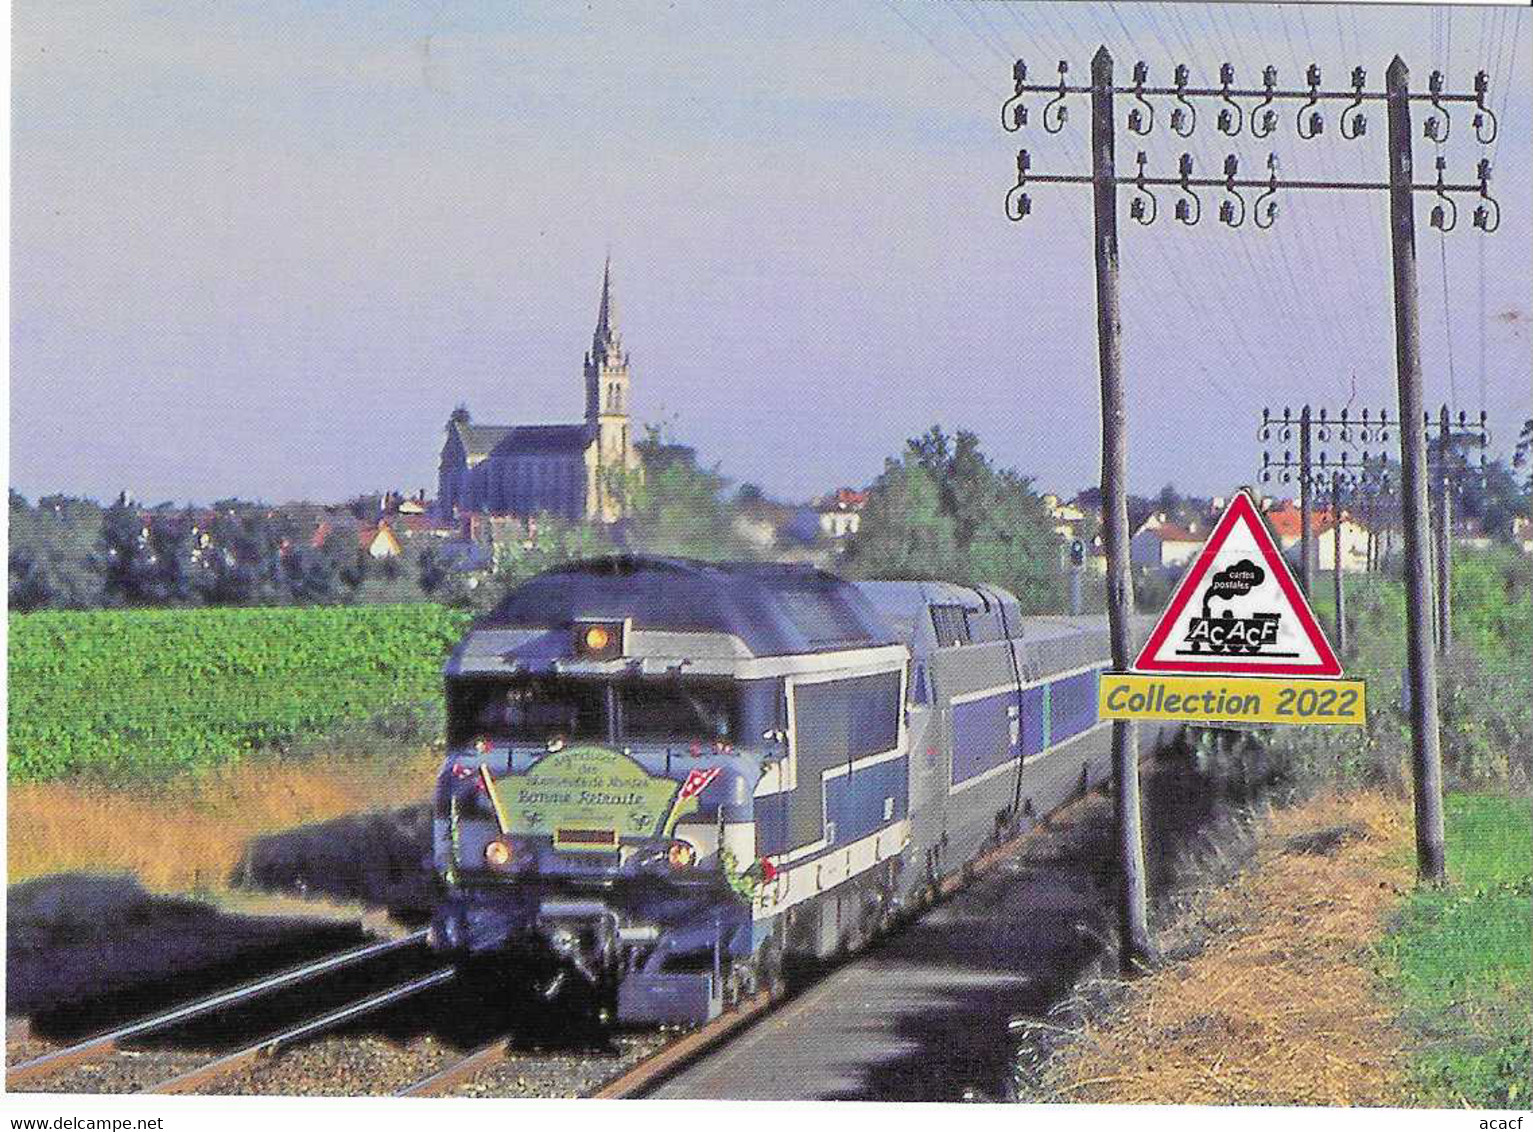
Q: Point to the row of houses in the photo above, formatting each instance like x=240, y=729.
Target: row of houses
x=816, y=531
x=813, y=531
x=1162, y=541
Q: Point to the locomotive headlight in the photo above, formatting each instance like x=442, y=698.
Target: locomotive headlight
x=498, y=855
x=681, y=855
x=599, y=640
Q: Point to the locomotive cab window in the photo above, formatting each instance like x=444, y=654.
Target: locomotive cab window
x=537, y=709
x=655, y=711
x=528, y=710
x=951, y=623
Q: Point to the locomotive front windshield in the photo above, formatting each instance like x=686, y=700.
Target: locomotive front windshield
x=537, y=709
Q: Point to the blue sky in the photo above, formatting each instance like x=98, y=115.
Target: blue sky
x=265, y=250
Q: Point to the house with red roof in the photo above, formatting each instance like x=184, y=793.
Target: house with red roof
x=841, y=513
x=1287, y=523
x=1160, y=543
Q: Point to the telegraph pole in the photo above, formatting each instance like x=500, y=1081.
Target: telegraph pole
x=1341, y=615
x=1133, y=923
x=1368, y=475
x=1446, y=467
x=1426, y=751
x=1306, y=528
x=1231, y=119
x=1444, y=557
x=1449, y=467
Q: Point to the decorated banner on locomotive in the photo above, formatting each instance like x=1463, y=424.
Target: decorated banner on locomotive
x=592, y=799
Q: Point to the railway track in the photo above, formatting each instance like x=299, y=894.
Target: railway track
x=273, y=1045
x=639, y=1078
x=644, y=1069
x=111, y=1041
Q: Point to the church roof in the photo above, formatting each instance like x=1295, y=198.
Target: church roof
x=546, y=438
x=479, y=440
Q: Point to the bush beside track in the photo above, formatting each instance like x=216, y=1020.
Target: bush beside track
x=135, y=694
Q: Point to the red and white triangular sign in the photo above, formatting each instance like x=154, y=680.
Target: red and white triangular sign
x=1238, y=610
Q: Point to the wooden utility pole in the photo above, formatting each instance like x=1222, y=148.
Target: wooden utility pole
x=1445, y=537
x=1341, y=614
x=1425, y=745
x=1133, y=922
x=1306, y=530
x=1234, y=211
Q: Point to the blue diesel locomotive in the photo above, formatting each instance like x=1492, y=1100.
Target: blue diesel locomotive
x=666, y=780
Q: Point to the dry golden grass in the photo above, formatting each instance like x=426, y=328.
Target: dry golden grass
x=188, y=835
x=1281, y=1007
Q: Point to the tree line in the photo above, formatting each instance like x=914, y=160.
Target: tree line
x=941, y=509
x=70, y=553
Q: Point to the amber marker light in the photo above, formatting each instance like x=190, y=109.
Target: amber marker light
x=599, y=640
x=497, y=854
x=681, y=855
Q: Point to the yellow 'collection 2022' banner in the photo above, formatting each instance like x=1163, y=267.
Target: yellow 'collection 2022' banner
x=1230, y=699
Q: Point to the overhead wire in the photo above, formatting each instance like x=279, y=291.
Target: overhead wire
x=1320, y=260
x=1505, y=84
x=1177, y=255
x=984, y=86
x=1298, y=316
x=1311, y=354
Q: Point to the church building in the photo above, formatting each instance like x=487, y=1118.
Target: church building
x=564, y=469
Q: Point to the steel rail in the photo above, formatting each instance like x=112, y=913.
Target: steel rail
x=459, y=1071
x=652, y=1070
x=270, y=1047
x=105, y=1043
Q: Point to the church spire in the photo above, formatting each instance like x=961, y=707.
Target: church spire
x=606, y=368
x=606, y=315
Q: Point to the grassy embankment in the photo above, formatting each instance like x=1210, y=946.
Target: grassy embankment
x=1324, y=977
x=1460, y=961
x=160, y=742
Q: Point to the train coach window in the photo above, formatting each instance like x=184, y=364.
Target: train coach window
x=529, y=710
x=679, y=709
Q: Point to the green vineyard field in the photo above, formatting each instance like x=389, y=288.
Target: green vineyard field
x=147, y=693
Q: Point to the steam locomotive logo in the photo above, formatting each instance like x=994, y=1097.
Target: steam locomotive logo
x=1255, y=634
x=1231, y=615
